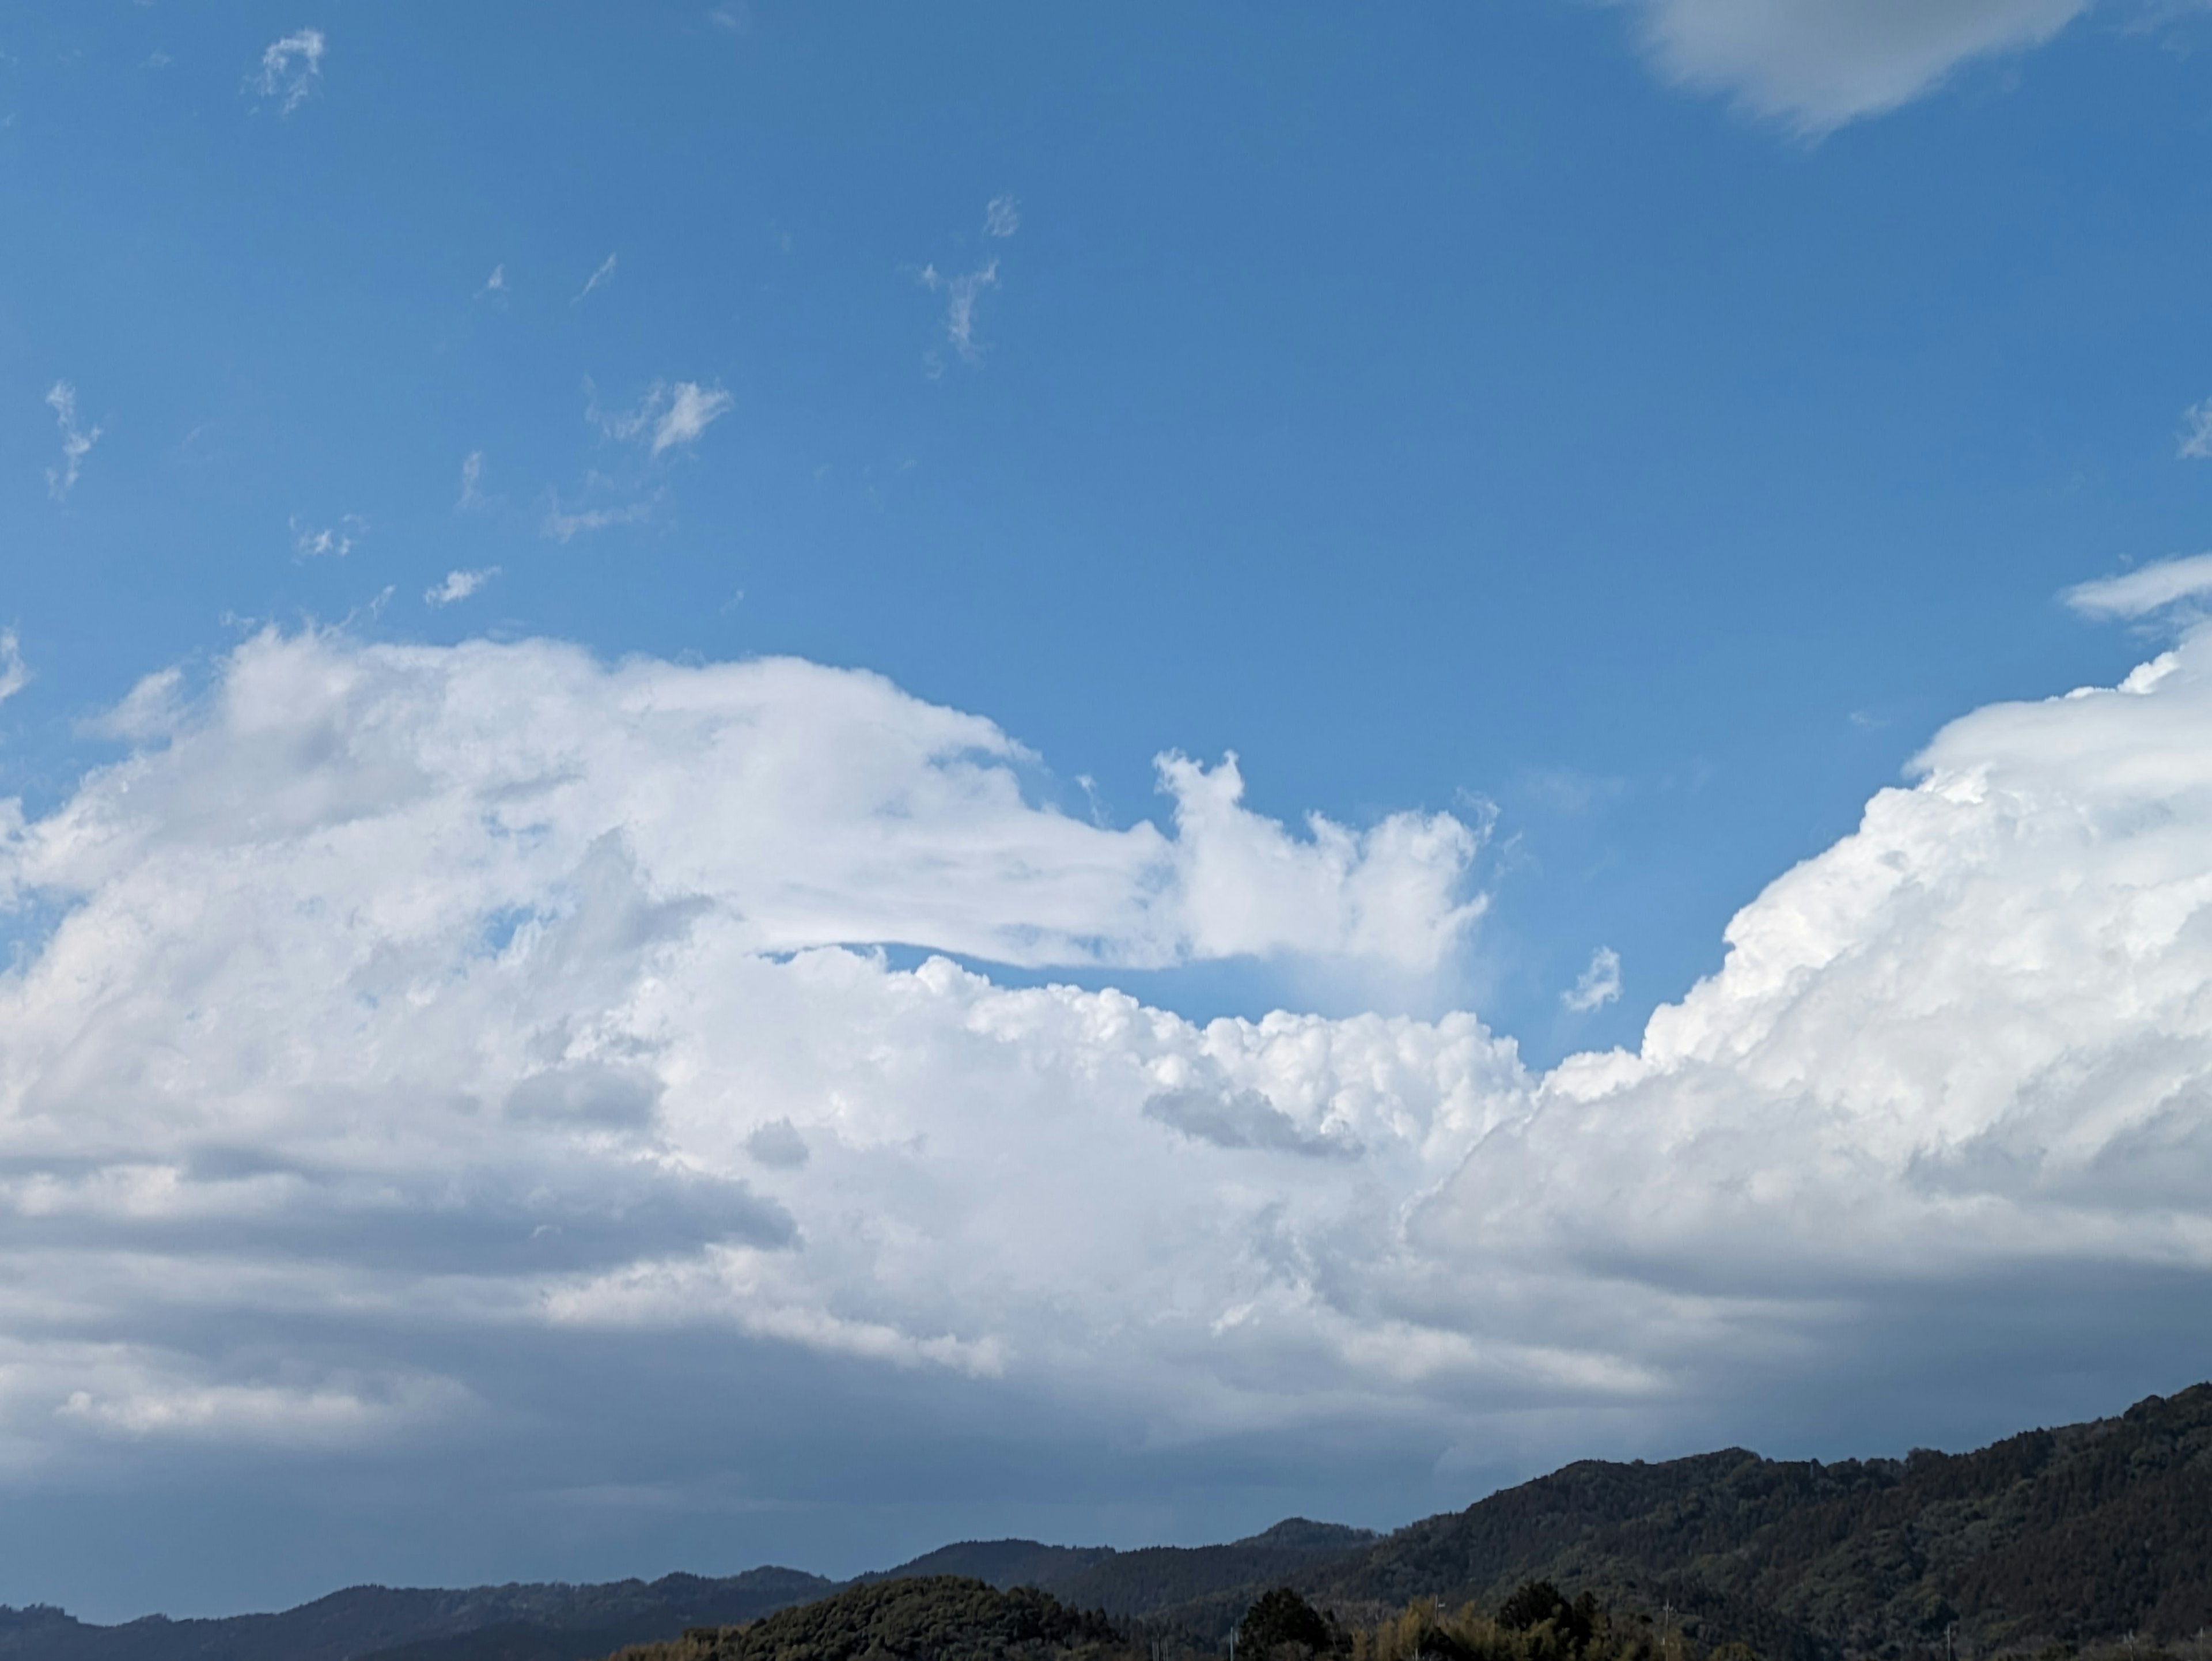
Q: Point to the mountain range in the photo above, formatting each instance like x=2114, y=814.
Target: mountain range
x=2073, y=1537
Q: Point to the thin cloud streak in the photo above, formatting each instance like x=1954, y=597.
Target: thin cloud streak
x=76, y=442
x=598, y=278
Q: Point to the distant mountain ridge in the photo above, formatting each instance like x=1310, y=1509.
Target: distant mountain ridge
x=2077, y=1536
x=362, y=1620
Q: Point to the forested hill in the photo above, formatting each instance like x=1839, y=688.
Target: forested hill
x=588, y=1620
x=930, y=1618
x=2085, y=1533
x=2079, y=1535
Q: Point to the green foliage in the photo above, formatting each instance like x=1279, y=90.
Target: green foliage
x=1534, y=1603
x=2081, y=1534
x=1281, y=1619
x=935, y=1618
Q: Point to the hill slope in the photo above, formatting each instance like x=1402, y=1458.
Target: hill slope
x=2084, y=1533
x=935, y=1618
x=364, y=1619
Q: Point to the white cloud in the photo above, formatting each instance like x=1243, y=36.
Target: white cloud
x=961, y=294
x=395, y=991
x=689, y=409
x=1597, y=985
x=2142, y=592
x=76, y=443
x=496, y=283
x=471, y=494
x=292, y=69
x=457, y=586
x=14, y=676
x=667, y=416
x=330, y=542
x=598, y=278
x=564, y=525
x=1002, y=216
x=1816, y=64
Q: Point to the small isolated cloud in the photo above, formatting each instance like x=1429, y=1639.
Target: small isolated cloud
x=598, y=278
x=471, y=481
x=292, y=69
x=1815, y=65
x=2140, y=592
x=669, y=416
x=1598, y=985
x=14, y=677
x=961, y=294
x=1002, y=216
x=459, y=586
x=2195, y=443
x=495, y=283
x=691, y=407
x=331, y=541
x=76, y=443
x=563, y=526
x=733, y=17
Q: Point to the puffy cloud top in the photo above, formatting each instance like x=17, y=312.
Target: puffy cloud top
x=396, y=989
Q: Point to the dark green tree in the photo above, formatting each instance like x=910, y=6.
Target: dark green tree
x=1279, y=1617
x=1536, y=1602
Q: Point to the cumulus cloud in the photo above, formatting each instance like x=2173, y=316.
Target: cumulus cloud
x=404, y=991
x=492, y=983
x=459, y=586
x=1817, y=64
x=76, y=442
x=291, y=69
x=1597, y=985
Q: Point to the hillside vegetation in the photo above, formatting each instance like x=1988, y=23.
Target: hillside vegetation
x=933, y=1618
x=2090, y=1536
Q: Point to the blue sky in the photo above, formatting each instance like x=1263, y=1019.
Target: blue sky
x=824, y=457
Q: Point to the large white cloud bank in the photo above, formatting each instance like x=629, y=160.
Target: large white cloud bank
x=391, y=992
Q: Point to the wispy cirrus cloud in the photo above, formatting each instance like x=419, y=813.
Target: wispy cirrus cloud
x=2194, y=442
x=325, y=542
x=77, y=441
x=14, y=676
x=495, y=284
x=597, y=279
x=471, y=496
x=670, y=415
x=565, y=524
x=1002, y=216
x=2144, y=591
x=291, y=69
x=961, y=294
